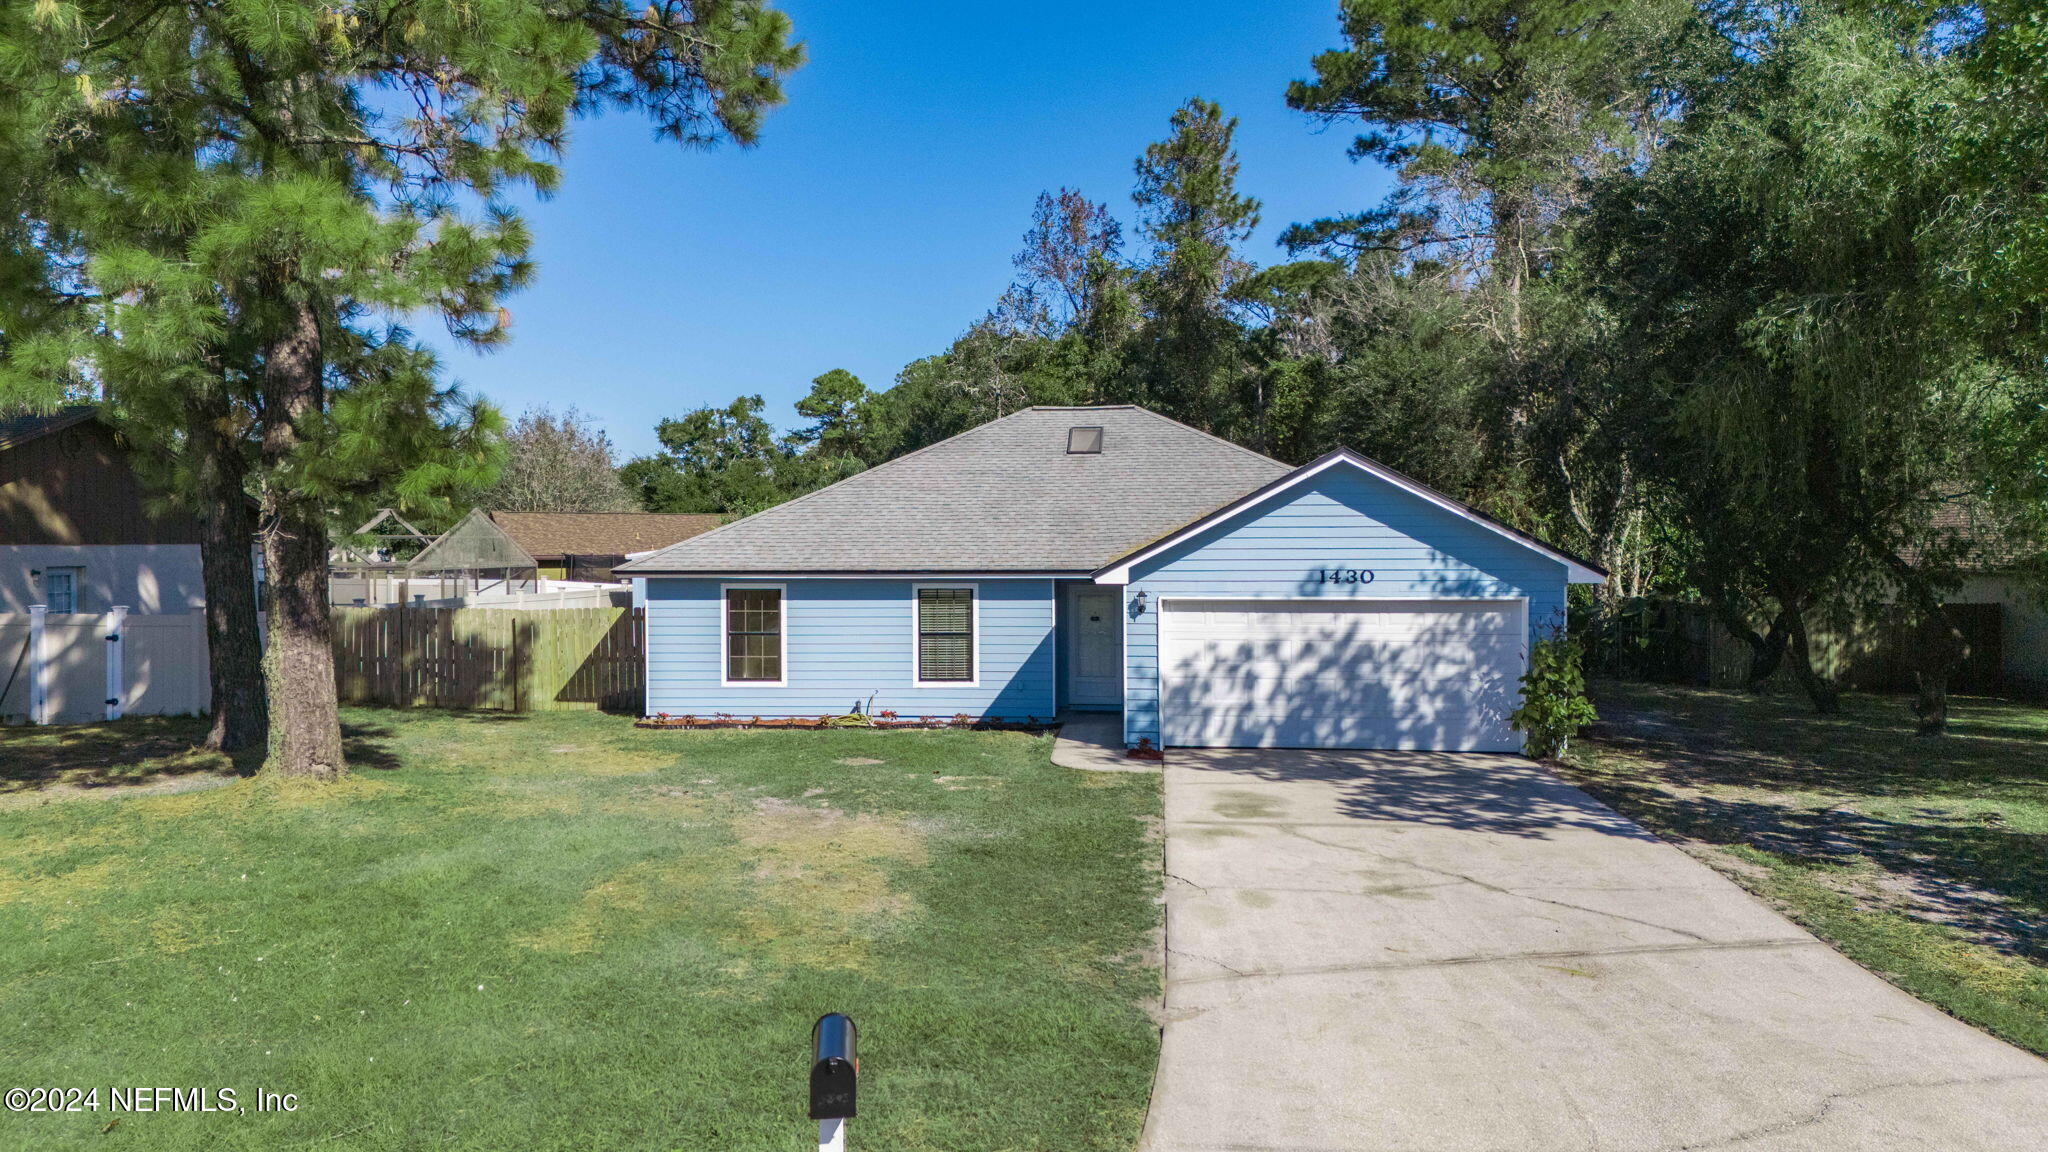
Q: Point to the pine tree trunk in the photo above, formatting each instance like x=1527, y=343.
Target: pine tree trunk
x=305, y=723
x=234, y=646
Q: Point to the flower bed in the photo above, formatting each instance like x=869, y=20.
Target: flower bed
x=883, y=721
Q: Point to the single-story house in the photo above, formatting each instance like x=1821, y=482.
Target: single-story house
x=78, y=530
x=1111, y=559
x=588, y=545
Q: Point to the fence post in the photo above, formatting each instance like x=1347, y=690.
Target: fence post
x=117, y=616
x=38, y=664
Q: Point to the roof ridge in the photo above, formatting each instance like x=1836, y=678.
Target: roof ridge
x=1213, y=436
x=863, y=473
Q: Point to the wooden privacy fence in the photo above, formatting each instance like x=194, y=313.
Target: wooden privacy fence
x=1667, y=640
x=491, y=658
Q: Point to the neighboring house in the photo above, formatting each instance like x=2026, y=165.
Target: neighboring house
x=512, y=553
x=78, y=532
x=2010, y=608
x=587, y=545
x=1111, y=559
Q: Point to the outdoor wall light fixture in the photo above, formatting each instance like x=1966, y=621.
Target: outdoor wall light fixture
x=1138, y=605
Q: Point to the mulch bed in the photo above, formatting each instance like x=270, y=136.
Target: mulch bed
x=852, y=722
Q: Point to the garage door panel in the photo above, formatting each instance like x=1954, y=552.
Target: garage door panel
x=1365, y=674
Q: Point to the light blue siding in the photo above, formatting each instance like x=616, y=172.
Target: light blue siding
x=846, y=641
x=1342, y=518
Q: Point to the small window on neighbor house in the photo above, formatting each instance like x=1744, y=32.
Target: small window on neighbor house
x=60, y=589
x=753, y=634
x=1084, y=441
x=945, y=635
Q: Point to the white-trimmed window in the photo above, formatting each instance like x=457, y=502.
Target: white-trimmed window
x=756, y=647
x=60, y=589
x=946, y=632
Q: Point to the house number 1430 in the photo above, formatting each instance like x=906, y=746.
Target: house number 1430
x=1343, y=576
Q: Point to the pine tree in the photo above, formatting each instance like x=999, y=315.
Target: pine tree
x=328, y=165
x=1190, y=210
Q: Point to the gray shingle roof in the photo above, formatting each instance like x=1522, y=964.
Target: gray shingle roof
x=1003, y=497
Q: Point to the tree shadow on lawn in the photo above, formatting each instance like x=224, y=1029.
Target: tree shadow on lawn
x=364, y=742
x=135, y=750
x=151, y=751
x=1755, y=772
x=1703, y=737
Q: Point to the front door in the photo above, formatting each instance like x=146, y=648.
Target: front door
x=1095, y=649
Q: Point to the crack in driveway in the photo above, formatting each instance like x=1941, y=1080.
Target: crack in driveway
x=1496, y=888
x=1502, y=958
x=1826, y=1107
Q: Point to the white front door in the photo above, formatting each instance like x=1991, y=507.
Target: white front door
x=1359, y=674
x=1095, y=649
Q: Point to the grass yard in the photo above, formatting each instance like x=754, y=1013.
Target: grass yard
x=559, y=932
x=1924, y=859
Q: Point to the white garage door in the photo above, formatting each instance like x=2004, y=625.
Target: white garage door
x=1363, y=674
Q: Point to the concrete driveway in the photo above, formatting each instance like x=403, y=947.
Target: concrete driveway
x=1389, y=951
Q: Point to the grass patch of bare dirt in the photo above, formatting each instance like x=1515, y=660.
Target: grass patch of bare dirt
x=560, y=932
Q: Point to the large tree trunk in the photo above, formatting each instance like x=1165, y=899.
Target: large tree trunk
x=1766, y=648
x=1826, y=697
x=305, y=723
x=1938, y=649
x=1938, y=645
x=1767, y=652
x=234, y=646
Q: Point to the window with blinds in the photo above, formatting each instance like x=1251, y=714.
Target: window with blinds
x=945, y=635
x=753, y=634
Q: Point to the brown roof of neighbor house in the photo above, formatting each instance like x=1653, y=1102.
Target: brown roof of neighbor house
x=20, y=429
x=550, y=535
x=1988, y=545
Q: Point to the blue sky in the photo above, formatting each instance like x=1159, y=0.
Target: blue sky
x=876, y=219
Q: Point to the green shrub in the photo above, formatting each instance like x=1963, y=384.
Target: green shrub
x=1554, y=705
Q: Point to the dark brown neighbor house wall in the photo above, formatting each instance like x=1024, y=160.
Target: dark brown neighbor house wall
x=75, y=486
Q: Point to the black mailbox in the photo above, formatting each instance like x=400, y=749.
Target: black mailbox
x=834, y=1067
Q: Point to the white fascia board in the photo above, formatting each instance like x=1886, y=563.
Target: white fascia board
x=1120, y=572
x=919, y=574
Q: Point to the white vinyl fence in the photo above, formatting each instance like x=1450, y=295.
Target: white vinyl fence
x=78, y=667
x=562, y=594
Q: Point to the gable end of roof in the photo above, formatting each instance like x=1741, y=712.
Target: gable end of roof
x=1577, y=570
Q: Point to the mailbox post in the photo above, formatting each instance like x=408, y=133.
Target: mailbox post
x=834, y=1070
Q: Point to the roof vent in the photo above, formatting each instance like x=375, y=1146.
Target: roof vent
x=1084, y=441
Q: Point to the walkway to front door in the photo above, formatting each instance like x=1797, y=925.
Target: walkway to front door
x=1429, y=951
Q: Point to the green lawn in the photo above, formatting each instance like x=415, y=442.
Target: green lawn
x=560, y=932
x=1924, y=859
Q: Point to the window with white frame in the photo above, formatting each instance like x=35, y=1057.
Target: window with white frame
x=945, y=635
x=60, y=589
x=753, y=635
